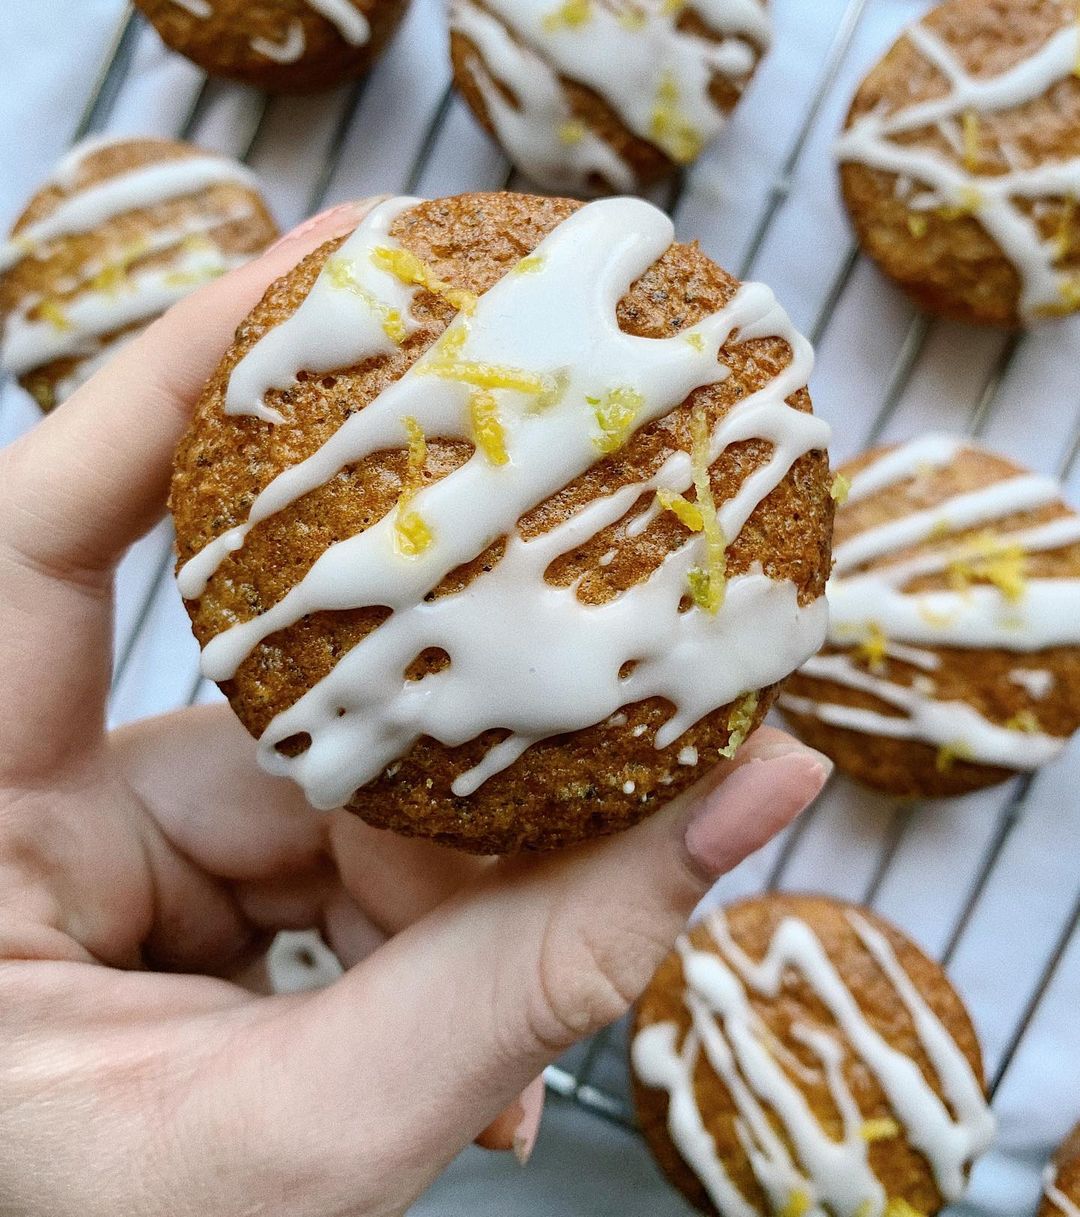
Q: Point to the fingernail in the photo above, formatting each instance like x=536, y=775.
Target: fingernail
x=532, y=1108
x=349, y=214
x=753, y=803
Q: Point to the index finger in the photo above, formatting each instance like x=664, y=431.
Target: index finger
x=85, y=483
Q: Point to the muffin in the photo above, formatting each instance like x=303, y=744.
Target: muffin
x=288, y=46
x=797, y=1055
x=592, y=96
x=961, y=161
x=1061, y=1180
x=502, y=519
x=122, y=230
x=953, y=658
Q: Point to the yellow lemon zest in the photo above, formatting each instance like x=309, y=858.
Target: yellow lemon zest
x=113, y=275
x=529, y=265
x=406, y=266
x=874, y=647
x=1024, y=720
x=840, y=489
x=615, y=415
x=798, y=1203
x=1069, y=291
x=969, y=200
x=52, y=312
x=917, y=225
x=898, y=1207
x=487, y=375
x=687, y=513
x=633, y=19
x=672, y=8
x=411, y=534
x=571, y=14
x=1063, y=236
x=191, y=278
x=669, y=127
x=572, y=132
x=487, y=428
x=940, y=530
x=938, y=620
x=972, y=141
x=866, y=1209
x=948, y=754
x=739, y=722
x=882, y=1129
x=988, y=559
x=696, y=340
x=342, y=274
x=708, y=584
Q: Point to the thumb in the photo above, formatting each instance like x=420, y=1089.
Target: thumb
x=443, y=1026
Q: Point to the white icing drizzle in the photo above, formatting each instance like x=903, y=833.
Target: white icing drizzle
x=991, y=198
x=1055, y=1195
x=146, y=186
x=288, y=50
x=834, y=1176
x=1046, y=614
x=556, y=324
x=1036, y=682
x=653, y=75
x=344, y=16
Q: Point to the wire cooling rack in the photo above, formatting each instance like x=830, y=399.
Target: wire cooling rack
x=990, y=884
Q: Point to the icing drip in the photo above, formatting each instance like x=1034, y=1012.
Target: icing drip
x=543, y=344
x=287, y=51
x=654, y=75
x=991, y=198
x=346, y=18
x=831, y=1176
x=1055, y=1195
x=197, y=8
x=146, y=186
x=1017, y=614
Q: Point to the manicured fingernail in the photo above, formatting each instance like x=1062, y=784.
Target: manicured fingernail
x=532, y=1108
x=753, y=803
x=347, y=215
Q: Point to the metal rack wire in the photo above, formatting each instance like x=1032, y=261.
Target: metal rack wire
x=575, y=1079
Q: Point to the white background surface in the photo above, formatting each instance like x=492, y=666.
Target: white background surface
x=990, y=882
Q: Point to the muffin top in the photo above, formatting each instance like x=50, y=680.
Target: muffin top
x=476, y=482
x=123, y=229
x=592, y=96
x=799, y=1055
x=961, y=160
x=954, y=639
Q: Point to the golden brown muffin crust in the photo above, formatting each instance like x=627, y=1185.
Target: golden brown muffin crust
x=903, y=1171
x=1067, y=1174
x=977, y=676
x=953, y=266
x=565, y=788
x=221, y=42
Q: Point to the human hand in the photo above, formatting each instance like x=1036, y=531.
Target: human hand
x=141, y=871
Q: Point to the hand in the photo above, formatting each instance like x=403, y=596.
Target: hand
x=140, y=871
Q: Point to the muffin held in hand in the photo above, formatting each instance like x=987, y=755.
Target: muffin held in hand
x=289, y=46
x=1061, y=1180
x=799, y=1056
x=503, y=518
x=953, y=659
x=593, y=97
x=961, y=160
x=122, y=230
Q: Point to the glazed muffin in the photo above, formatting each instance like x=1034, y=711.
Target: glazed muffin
x=961, y=161
x=953, y=659
x=1061, y=1180
x=599, y=96
x=502, y=520
x=287, y=46
x=122, y=230
x=796, y=1055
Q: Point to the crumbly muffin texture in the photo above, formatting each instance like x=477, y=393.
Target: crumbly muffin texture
x=960, y=162
x=770, y=1050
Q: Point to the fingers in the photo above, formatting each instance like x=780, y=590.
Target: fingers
x=92, y=476
x=501, y=978
x=516, y=1127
